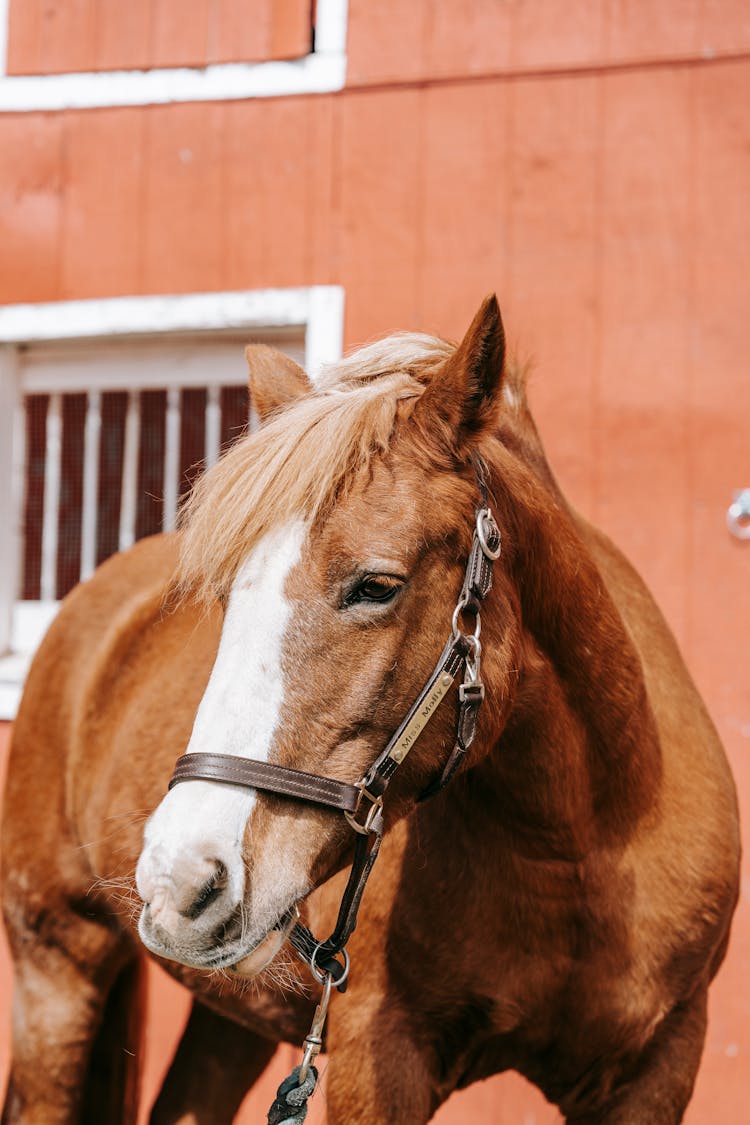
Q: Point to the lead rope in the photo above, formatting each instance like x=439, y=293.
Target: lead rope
x=290, y=1105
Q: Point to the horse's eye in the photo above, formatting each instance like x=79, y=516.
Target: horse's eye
x=374, y=588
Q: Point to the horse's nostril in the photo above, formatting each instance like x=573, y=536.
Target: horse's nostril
x=208, y=892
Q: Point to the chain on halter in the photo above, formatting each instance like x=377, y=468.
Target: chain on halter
x=362, y=802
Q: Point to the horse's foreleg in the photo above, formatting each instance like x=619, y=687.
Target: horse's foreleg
x=59, y=996
x=660, y=1089
x=216, y=1063
x=377, y=1074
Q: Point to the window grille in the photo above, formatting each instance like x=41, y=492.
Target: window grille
x=113, y=436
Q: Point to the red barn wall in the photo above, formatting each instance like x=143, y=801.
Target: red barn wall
x=63, y=36
x=590, y=162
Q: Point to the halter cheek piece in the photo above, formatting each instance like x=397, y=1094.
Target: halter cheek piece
x=362, y=803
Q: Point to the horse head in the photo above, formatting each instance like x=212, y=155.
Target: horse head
x=336, y=538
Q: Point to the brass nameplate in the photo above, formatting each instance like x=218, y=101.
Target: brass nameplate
x=421, y=718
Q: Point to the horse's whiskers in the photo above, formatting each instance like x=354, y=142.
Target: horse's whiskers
x=121, y=893
x=133, y=814
x=280, y=974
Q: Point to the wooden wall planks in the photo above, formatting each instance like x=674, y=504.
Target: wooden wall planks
x=59, y=36
x=32, y=199
x=609, y=209
x=104, y=188
x=643, y=295
x=390, y=41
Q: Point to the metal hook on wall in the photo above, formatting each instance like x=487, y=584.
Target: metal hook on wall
x=738, y=514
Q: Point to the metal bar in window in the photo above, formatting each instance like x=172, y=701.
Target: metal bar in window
x=213, y=425
x=10, y=499
x=51, y=516
x=18, y=489
x=129, y=489
x=91, y=440
x=171, y=459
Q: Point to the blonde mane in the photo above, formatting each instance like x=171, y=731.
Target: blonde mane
x=301, y=458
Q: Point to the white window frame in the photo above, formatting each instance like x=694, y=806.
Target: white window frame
x=316, y=310
x=321, y=71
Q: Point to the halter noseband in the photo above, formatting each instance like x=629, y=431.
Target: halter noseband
x=362, y=803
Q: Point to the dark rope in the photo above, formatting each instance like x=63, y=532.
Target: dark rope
x=290, y=1105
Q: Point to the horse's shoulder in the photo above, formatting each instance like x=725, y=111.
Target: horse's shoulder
x=149, y=563
x=97, y=633
x=123, y=589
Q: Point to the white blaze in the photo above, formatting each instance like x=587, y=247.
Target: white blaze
x=239, y=713
x=240, y=708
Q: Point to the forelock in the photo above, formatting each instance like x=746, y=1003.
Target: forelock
x=299, y=461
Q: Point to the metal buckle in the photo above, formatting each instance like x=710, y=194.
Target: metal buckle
x=488, y=533
x=471, y=692
x=364, y=827
x=474, y=656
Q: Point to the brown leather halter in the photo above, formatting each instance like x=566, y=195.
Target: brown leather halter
x=362, y=802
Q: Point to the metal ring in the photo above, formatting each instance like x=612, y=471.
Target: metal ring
x=484, y=517
x=376, y=804
x=462, y=605
x=321, y=975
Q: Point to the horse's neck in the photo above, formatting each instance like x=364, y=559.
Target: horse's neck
x=578, y=760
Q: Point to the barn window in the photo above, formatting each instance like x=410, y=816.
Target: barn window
x=114, y=435
x=100, y=438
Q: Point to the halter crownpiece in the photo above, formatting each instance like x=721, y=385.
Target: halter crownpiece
x=362, y=802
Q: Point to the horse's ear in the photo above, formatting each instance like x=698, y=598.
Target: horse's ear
x=275, y=378
x=464, y=390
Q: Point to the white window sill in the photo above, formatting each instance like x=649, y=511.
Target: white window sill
x=13, y=672
x=31, y=620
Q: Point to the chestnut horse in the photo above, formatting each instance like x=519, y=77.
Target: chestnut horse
x=559, y=908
